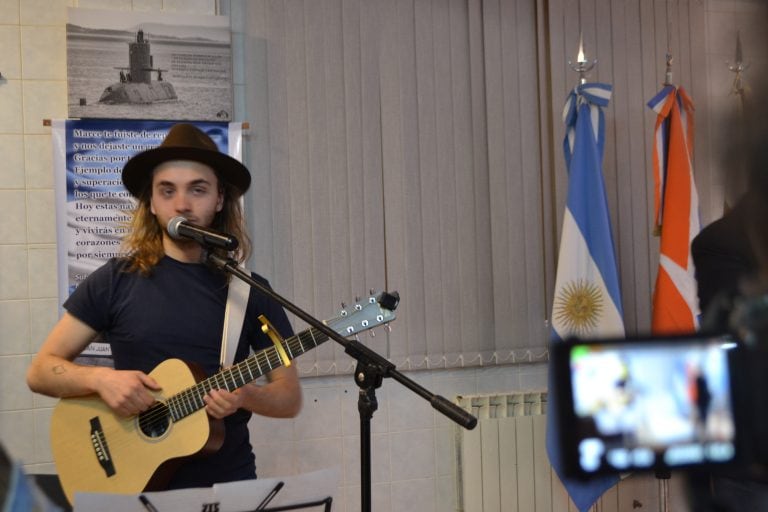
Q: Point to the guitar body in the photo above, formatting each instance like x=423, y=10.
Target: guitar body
x=98, y=451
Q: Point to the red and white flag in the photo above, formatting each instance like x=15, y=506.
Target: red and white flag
x=675, y=302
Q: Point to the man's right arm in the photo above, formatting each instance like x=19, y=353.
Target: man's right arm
x=54, y=373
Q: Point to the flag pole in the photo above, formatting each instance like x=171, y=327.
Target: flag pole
x=676, y=203
x=738, y=67
x=663, y=476
x=669, y=56
x=587, y=295
x=668, y=73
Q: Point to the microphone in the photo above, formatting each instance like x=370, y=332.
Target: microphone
x=179, y=228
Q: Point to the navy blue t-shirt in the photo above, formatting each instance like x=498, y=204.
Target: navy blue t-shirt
x=178, y=312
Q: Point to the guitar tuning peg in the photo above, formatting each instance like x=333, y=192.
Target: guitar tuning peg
x=343, y=305
x=372, y=291
x=388, y=327
x=357, y=337
x=357, y=298
x=372, y=333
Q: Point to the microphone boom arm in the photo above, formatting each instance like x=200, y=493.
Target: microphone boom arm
x=354, y=348
x=370, y=371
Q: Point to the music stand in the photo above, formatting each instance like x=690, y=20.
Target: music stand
x=298, y=506
x=295, y=493
x=300, y=492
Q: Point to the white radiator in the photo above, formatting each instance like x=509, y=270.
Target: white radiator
x=502, y=463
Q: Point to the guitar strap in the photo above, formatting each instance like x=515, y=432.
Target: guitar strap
x=234, y=315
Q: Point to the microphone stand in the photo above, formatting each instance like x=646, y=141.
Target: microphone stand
x=369, y=373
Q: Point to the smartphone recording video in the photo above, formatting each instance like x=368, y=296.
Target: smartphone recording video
x=645, y=404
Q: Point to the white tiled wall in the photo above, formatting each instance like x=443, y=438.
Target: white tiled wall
x=32, y=62
x=412, y=459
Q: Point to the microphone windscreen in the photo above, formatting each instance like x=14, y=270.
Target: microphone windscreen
x=173, y=226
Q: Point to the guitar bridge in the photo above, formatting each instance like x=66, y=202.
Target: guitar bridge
x=101, y=448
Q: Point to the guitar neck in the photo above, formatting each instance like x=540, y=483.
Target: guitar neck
x=251, y=368
x=374, y=311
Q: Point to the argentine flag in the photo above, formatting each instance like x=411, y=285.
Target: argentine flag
x=587, y=299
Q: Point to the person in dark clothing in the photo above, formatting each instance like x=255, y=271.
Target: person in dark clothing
x=723, y=256
x=162, y=301
x=731, y=262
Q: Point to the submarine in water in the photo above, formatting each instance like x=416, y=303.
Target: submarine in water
x=136, y=84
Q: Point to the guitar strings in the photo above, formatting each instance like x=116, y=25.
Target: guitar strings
x=152, y=419
x=189, y=400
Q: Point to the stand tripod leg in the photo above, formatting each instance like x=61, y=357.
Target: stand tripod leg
x=366, y=406
x=663, y=476
x=367, y=379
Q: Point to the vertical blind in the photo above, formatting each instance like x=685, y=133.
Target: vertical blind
x=415, y=145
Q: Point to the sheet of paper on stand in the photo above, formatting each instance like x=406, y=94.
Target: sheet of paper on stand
x=226, y=497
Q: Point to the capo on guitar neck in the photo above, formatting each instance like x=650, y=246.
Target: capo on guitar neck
x=270, y=331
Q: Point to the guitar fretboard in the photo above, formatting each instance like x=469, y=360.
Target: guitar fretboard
x=251, y=368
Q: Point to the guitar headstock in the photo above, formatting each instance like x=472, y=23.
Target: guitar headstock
x=375, y=310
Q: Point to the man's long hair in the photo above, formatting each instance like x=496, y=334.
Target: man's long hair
x=143, y=245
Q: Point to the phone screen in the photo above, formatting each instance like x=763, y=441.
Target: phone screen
x=645, y=404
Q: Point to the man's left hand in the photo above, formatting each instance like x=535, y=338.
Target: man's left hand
x=220, y=403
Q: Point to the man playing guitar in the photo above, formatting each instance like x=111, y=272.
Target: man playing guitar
x=161, y=301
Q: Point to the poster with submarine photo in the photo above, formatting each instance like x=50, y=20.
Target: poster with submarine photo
x=148, y=65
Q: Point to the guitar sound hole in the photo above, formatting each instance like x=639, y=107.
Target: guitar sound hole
x=154, y=421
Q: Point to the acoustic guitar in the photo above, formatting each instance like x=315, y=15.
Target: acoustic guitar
x=97, y=451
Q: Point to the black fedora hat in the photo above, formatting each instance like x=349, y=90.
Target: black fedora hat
x=184, y=142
